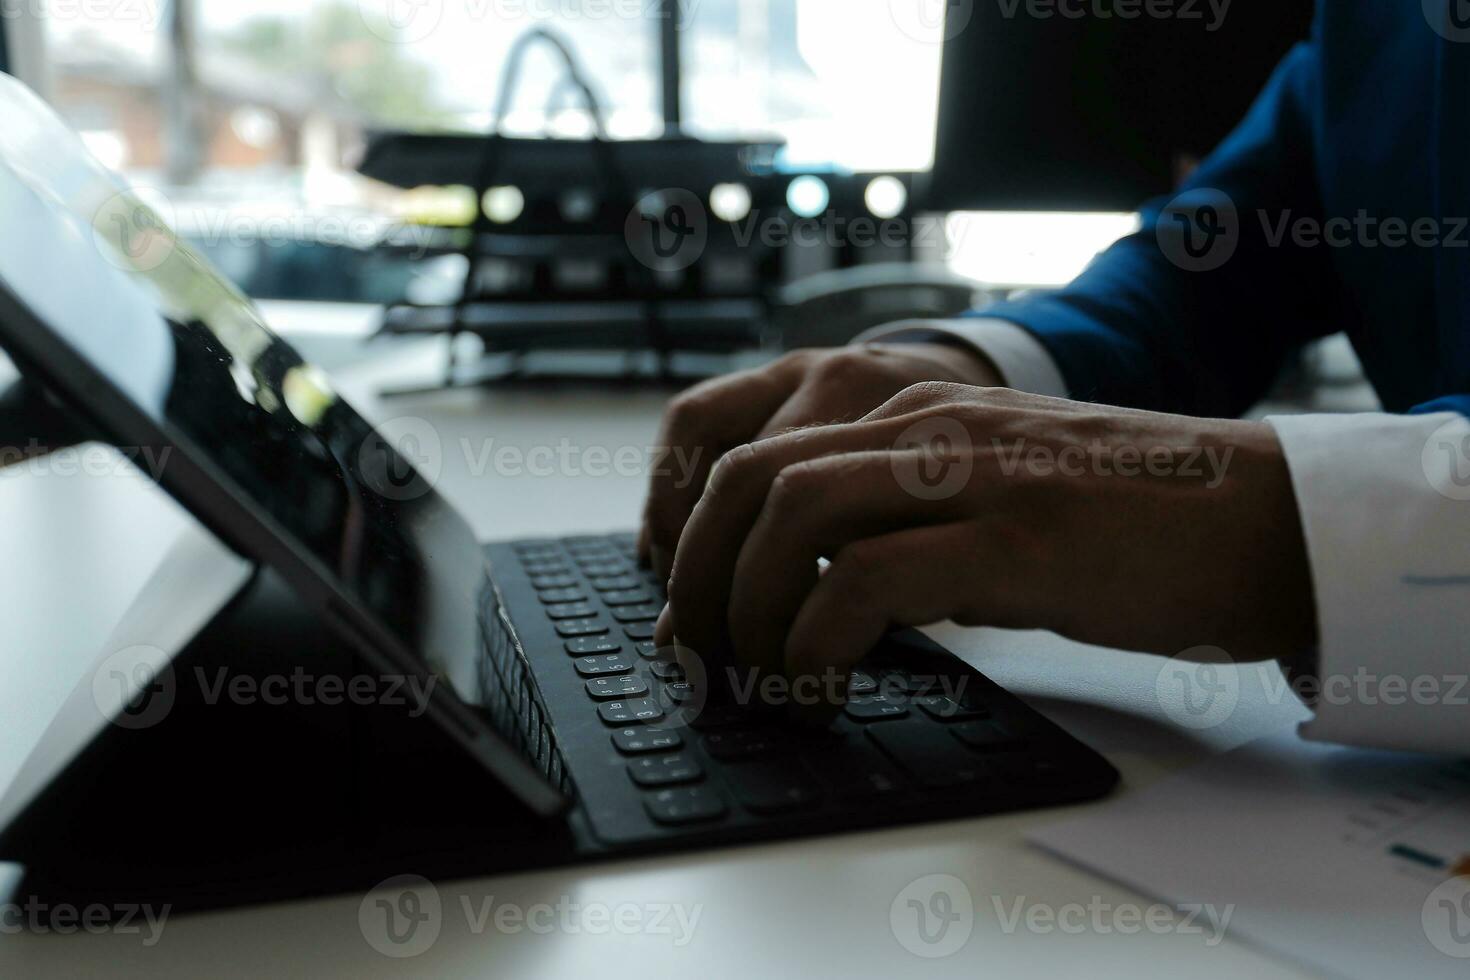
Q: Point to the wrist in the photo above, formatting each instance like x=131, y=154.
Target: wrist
x=956, y=361
x=1282, y=574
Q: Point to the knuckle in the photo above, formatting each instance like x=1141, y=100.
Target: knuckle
x=794, y=488
x=923, y=394
x=686, y=412
x=842, y=367
x=733, y=470
x=799, y=359
x=935, y=391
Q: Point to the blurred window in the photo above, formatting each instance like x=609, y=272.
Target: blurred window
x=855, y=84
x=247, y=139
x=282, y=85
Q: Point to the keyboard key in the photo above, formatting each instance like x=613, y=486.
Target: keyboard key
x=638, y=613
x=647, y=649
x=720, y=716
x=922, y=751
x=624, y=686
x=598, y=557
x=614, y=583
x=814, y=742
x=734, y=746
x=907, y=682
x=584, y=645
x=685, y=804
x=876, y=707
x=591, y=626
x=663, y=770
x=547, y=567
x=773, y=787
x=600, y=569
x=639, y=631
x=858, y=773
x=860, y=682
x=571, y=610
x=986, y=736
x=553, y=581
x=635, y=741
x=567, y=594
x=623, y=712
x=532, y=546
x=947, y=709
x=627, y=597
x=666, y=670
x=613, y=663
x=678, y=692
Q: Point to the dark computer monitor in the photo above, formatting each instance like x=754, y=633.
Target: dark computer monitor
x=1068, y=113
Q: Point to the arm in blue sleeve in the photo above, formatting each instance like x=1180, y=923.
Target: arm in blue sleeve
x=1449, y=403
x=1137, y=329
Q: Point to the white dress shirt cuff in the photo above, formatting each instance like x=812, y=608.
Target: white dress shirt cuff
x=1385, y=507
x=1022, y=361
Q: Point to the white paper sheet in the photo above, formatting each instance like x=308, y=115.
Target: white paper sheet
x=1349, y=862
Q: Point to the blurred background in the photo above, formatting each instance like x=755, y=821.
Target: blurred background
x=259, y=108
x=445, y=163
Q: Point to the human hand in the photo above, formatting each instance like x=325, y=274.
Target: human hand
x=803, y=388
x=1122, y=528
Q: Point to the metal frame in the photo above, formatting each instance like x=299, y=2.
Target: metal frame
x=671, y=68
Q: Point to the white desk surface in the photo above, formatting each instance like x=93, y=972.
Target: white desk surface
x=78, y=552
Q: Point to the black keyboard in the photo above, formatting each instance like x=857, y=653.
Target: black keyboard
x=922, y=734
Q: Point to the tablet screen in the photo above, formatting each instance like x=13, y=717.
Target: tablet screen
x=91, y=265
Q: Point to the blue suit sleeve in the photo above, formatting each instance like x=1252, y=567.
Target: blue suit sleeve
x=1449, y=403
x=1140, y=329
